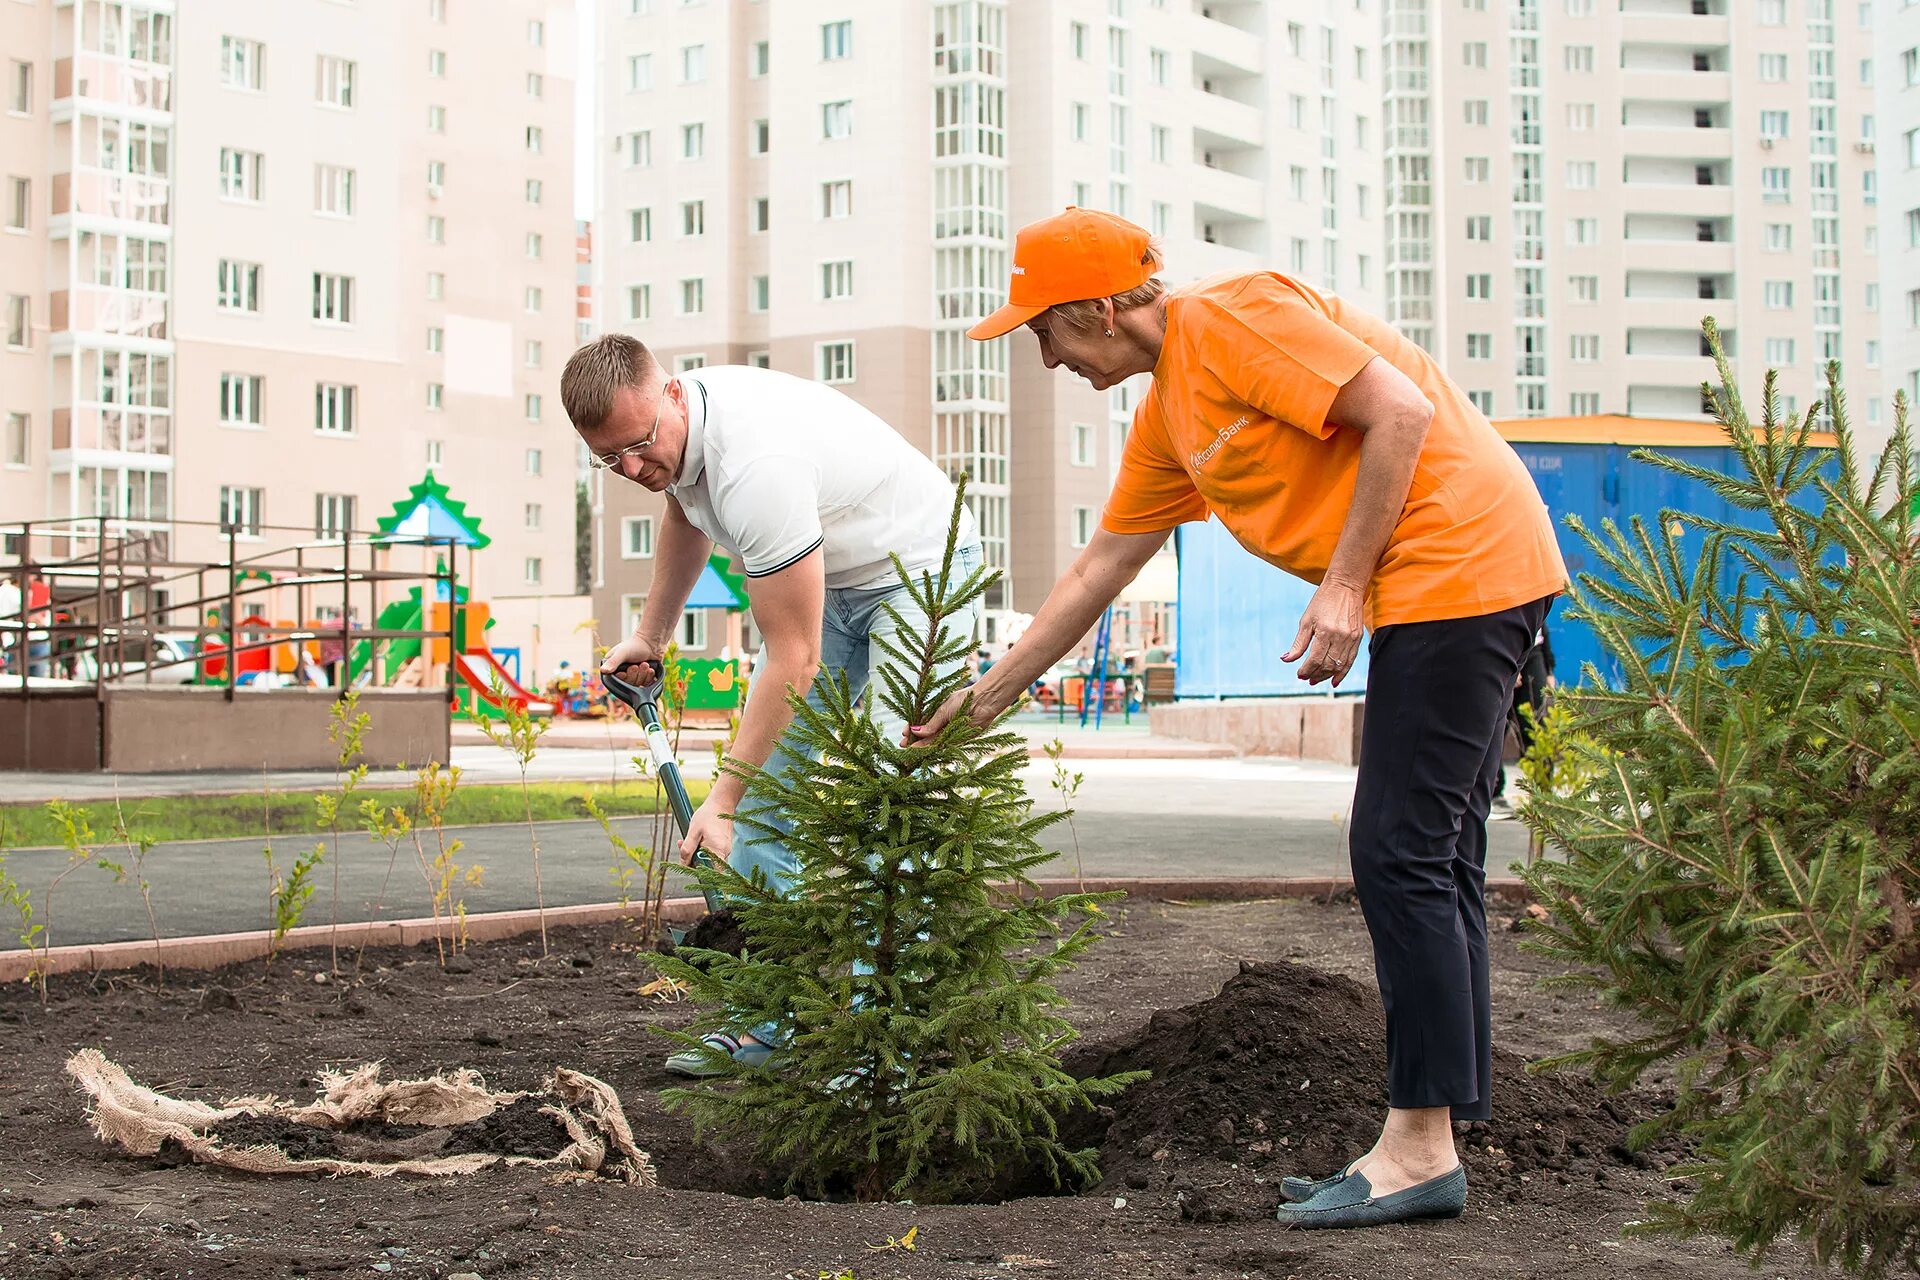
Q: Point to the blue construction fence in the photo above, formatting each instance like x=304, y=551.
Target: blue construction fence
x=1238, y=614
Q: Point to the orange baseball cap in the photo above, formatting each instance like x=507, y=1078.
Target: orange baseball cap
x=1069, y=257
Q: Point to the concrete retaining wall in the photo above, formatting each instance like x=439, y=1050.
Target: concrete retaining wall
x=55, y=729
x=1293, y=728
x=186, y=729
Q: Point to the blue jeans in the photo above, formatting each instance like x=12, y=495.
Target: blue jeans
x=851, y=627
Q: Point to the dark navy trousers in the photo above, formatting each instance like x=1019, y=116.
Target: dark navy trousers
x=1430, y=751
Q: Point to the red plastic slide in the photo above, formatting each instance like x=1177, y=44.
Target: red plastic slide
x=481, y=670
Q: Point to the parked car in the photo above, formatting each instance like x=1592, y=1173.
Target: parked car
x=172, y=657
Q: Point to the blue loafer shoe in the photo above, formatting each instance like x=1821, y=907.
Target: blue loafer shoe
x=1350, y=1202
x=1300, y=1190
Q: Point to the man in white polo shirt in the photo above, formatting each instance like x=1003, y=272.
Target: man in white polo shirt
x=811, y=493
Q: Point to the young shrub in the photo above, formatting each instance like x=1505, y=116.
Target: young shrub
x=520, y=737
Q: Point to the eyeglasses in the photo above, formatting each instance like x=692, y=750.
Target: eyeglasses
x=611, y=461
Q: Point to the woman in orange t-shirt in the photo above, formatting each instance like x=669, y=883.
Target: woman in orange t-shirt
x=1335, y=449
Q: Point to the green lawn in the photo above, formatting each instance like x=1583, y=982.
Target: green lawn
x=292, y=812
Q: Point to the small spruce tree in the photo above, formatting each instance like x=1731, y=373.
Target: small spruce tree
x=910, y=968
x=1739, y=862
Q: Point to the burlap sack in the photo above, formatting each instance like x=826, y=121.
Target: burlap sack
x=140, y=1121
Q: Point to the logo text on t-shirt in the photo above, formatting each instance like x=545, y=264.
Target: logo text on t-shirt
x=1228, y=432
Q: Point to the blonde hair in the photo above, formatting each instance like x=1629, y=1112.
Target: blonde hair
x=597, y=371
x=1091, y=313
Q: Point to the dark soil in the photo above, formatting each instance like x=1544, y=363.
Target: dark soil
x=1263, y=1066
x=520, y=1128
x=717, y=931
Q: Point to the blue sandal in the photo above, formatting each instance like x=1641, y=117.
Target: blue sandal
x=701, y=1064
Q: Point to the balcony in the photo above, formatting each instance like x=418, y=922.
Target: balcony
x=1690, y=200
x=1674, y=313
x=113, y=429
x=1226, y=44
x=1677, y=143
x=122, y=196
x=1691, y=87
x=99, y=77
x=1693, y=30
x=1231, y=124
x=1698, y=257
x=99, y=310
x=1225, y=192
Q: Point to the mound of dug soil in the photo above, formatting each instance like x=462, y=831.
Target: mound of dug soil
x=1284, y=1073
x=518, y=1129
x=717, y=931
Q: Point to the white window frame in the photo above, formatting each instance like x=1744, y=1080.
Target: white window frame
x=333, y=81
x=333, y=190
x=244, y=395
x=836, y=119
x=828, y=368
x=333, y=299
x=334, y=515
x=636, y=538
x=836, y=40
x=243, y=176
x=240, y=509
x=692, y=297
x=836, y=280
x=238, y=287
x=1080, y=444
x=242, y=64
x=336, y=409
x=1080, y=526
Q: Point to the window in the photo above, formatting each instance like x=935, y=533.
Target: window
x=1080, y=438
x=836, y=119
x=19, y=440
x=239, y=286
x=1912, y=137
x=1157, y=139
x=1162, y=218
x=332, y=298
x=1082, y=532
x=532, y=406
x=240, y=510
x=1077, y=121
x=536, y=85
x=1474, y=54
x=532, y=571
x=240, y=399
x=333, y=81
x=1481, y=400
x=533, y=245
x=1779, y=351
x=836, y=199
x=1873, y=353
x=1579, y=57
x=1910, y=67
x=1479, y=346
x=1779, y=237
x=436, y=285
x=1585, y=288
x=693, y=297
x=1480, y=286
x=693, y=218
x=1773, y=124
x=533, y=462
x=639, y=225
x=693, y=629
x=1157, y=62
x=760, y=359
x=693, y=141
x=1580, y=116
x=1077, y=40
x=684, y=364
x=759, y=292
x=836, y=280
x=437, y=63
x=1773, y=67
x=1476, y=111
x=1585, y=347
x=1297, y=182
x=436, y=396
x=835, y=361
x=436, y=229
x=535, y=189
x=1082, y=195
x=536, y=140
x=639, y=302
x=1480, y=227
x=759, y=137
x=533, y=300
x=1583, y=231
x=1779, y=295
x=1873, y=295
x=436, y=453
x=536, y=33
x=436, y=339
x=693, y=64
x=531, y=353
x=242, y=64
x=1479, y=168
x=1581, y=175
x=758, y=60
x=1775, y=183
x=242, y=175
x=836, y=40
x=333, y=408
x=1583, y=403
x=636, y=538
x=640, y=148
x=1296, y=111
x=19, y=321
x=1579, y=8
x=333, y=190
x=759, y=214
x=639, y=72
x=1773, y=13
x=436, y=119
x=1297, y=256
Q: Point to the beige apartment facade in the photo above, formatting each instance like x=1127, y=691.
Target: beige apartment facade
x=1897, y=89
x=860, y=169
x=290, y=258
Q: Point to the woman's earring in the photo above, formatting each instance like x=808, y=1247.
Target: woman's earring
x=1109, y=333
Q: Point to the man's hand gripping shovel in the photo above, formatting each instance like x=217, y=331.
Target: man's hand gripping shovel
x=644, y=700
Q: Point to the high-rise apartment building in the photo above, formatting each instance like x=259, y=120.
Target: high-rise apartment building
x=267, y=264
x=1897, y=85
x=1575, y=184
x=832, y=191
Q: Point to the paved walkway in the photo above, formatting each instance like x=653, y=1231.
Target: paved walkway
x=1134, y=818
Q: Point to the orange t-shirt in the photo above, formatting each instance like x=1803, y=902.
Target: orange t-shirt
x=1236, y=426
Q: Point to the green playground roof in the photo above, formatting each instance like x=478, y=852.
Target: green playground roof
x=428, y=513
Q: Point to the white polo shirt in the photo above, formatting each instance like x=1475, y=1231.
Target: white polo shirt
x=778, y=465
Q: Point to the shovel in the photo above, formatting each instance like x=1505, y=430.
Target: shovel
x=644, y=700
